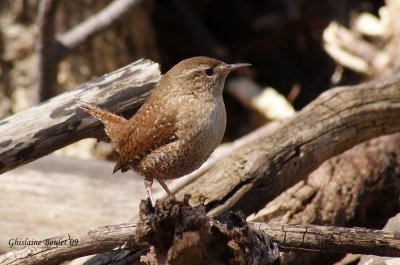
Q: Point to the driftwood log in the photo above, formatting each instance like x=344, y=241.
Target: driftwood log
x=256, y=173
x=337, y=120
x=91, y=182
x=350, y=187
x=46, y=127
x=357, y=188
x=186, y=240
x=259, y=171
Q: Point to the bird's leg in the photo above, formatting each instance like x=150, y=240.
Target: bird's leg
x=148, y=182
x=165, y=187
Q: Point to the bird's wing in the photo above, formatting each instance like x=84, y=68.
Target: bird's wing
x=151, y=127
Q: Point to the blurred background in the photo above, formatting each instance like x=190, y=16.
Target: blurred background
x=298, y=49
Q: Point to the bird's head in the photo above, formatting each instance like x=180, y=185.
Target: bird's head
x=202, y=75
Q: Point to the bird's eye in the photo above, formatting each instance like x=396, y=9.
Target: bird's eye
x=209, y=71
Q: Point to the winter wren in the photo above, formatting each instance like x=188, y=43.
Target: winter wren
x=177, y=128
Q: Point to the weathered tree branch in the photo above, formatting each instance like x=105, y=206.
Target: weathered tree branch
x=346, y=190
x=53, y=124
x=333, y=239
x=335, y=193
x=337, y=120
x=66, y=247
x=288, y=237
x=393, y=224
x=254, y=174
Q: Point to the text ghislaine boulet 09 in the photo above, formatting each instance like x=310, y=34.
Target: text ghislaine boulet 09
x=13, y=242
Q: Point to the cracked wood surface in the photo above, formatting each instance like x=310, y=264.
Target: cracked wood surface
x=336, y=192
x=328, y=239
x=248, y=178
x=257, y=172
x=46, y=127
x=288, y=237
x=337, y=120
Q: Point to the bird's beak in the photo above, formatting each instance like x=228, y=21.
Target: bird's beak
x=231, y=67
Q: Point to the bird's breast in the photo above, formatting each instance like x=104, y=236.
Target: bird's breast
x=203, y=129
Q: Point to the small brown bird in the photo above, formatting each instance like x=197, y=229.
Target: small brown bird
x=177, y=128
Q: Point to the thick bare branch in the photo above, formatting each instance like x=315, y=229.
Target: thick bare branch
x=51, y=125
x=337, y=120
x=288, y=237
x=66, y=247
x=335, y=194
x=393, y=224
x=333, y=239
x=257, y=172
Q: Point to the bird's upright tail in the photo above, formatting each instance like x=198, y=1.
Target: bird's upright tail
x=112, y=122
